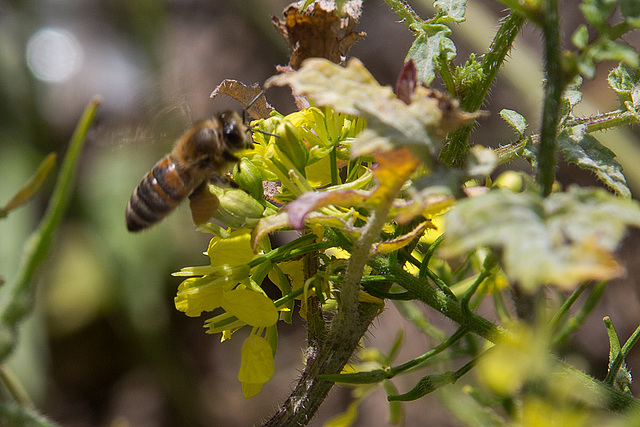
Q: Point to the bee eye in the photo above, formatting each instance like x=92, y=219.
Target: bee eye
x=232, y=129
x=233, y=134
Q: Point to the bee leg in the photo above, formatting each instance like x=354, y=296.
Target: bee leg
x=224, y=181
x=203, y=204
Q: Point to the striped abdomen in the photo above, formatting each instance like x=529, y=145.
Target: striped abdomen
x=159, y=192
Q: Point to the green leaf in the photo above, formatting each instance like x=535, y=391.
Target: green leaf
x=626, y=82
x=515, y=120
x=30, y=188
x=585, y=151
x=430, y=46
x=571, y=96
x=15, y=297
x=564, y=239
x=597, y=11
x=630, y=11
x=580, y=37
x=609, y=50
x=450, y=10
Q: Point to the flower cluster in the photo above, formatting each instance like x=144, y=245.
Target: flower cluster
x=295, y=154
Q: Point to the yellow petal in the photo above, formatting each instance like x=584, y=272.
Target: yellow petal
x=257, y=366
x=253, y=308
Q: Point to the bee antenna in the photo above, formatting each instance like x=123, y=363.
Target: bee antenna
x=264, y=132
x=253, y=101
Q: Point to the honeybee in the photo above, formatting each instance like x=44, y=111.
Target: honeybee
x=203, y=153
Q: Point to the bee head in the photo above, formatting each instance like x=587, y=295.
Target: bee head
x=234, y=131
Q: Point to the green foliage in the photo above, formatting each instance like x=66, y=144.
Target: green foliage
x=417, y=230
x=394, y=204
x=31, y=187
x=16, y=296
x=585, y=151
x=564, y=239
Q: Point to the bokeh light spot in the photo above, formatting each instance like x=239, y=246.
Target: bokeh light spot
x=54, y=55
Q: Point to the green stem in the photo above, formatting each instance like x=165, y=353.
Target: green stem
x=620, y=356
x=605, y=121
x=493, y=60
x=333, y=163
x=15, y=388
x=552, y=97
x=439, y=301
x=454, y=152
x=574, y=323
x=329, y=355
x=461, y=332
x=464, y=302
x=564, y=309
x=16, y=296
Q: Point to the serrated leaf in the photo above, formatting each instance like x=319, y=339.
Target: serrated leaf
x=564, y=239
x=626, y=82
x=450, y=10
x=586, y=152
x=572, y=94
x=515, y=120
x=431, y=45
x=391, y=123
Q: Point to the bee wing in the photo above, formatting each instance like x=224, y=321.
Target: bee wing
x=203, y=204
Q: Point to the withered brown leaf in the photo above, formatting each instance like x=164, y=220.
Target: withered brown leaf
x=245, y=95
x=319, y=31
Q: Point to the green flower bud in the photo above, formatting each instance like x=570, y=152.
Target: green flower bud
x=293, y=147
x=249, y=177
x=236, y=207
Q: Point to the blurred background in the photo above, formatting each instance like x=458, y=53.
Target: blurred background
x=104, y=344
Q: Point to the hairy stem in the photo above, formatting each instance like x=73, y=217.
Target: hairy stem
x=456, y=147
x=330, y=355
x=552, y=96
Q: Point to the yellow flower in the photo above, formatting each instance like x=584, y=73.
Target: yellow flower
x=257, y=366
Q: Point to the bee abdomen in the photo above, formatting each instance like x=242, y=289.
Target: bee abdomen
x=159, y=192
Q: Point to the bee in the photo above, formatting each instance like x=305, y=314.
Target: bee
x=202, y=154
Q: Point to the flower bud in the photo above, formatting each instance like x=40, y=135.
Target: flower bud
x=291, y=144
x=249, y=177
x=236, y=207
